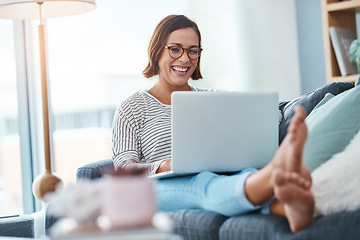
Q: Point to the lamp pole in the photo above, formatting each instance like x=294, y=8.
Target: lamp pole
x=27, y=9
x=48, y=181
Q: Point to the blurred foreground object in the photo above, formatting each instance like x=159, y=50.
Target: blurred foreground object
x=112, y=204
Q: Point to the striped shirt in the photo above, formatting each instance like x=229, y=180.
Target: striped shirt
x=141, y=135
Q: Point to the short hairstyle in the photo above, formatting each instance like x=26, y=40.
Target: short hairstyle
x=158, y=40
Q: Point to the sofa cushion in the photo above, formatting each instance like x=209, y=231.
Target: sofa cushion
x=259, y=226
x=21, y=226
x=197, y=224
x=255, y=226
x=331, y=127
x=308, y=101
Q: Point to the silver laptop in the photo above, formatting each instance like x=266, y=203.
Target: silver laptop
x=222, y=131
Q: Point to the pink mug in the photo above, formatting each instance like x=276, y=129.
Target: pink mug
x=128, y=201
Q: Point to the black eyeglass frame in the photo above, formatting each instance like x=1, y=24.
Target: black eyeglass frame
x=183, y=50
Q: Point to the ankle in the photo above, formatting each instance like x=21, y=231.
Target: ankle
x=259, y=187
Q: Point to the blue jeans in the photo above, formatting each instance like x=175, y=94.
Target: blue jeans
x=222, y=194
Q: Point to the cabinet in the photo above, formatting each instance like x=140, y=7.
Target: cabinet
x=338, y=14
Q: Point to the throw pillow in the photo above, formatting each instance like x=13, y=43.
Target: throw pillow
x=308, y=101
x=327, y=97
x=337, y=178
x=331, y=127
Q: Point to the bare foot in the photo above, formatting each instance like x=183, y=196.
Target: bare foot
x=293, y=191
x=289, y=156
x=291, y=179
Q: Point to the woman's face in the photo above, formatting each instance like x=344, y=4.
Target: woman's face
x=176, y=72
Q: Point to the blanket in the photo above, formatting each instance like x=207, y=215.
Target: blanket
x=336, y=182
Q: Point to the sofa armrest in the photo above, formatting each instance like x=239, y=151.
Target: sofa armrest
x=95, y=170
x=19, y=226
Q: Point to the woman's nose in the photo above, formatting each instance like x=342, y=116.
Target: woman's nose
x=184, y=57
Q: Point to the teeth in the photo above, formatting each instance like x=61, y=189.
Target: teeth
x=180, y=69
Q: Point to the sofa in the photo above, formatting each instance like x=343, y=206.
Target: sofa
x=17, y=226
x=200, y=224
x=205, y=225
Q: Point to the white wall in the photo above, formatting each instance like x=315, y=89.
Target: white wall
x=250, y=45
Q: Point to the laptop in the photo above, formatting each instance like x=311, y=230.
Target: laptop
x=222, y=131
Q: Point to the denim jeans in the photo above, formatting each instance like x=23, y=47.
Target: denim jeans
x=222, y=194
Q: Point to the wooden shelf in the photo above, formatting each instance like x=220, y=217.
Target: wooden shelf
x=338, y=14
x=342, y=6
x=350, y=78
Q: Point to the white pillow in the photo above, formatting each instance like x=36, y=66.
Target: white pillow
x=336, y=182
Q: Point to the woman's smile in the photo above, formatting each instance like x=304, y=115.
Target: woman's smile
x=180, y=69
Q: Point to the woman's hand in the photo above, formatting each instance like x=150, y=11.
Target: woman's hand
x=164, y=166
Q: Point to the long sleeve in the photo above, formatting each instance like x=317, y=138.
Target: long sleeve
x=141, y=137
x=126, y=139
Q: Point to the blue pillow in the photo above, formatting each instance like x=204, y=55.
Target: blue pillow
x=332, y=124
x=308, y=101
x=327, y=97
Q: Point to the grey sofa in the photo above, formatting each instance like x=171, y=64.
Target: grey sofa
x=200, y=224
x=18, y=226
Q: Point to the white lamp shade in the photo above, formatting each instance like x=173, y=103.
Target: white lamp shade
x=29, y=9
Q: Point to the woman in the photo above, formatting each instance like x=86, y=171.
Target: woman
x=141, y=141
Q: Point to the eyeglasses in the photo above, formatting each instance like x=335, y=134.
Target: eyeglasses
x=176, y=52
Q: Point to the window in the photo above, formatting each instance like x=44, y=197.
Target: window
x=11, y=198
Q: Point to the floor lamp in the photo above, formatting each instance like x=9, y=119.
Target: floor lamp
x=30, y=9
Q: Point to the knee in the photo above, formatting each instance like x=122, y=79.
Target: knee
x=204, y=178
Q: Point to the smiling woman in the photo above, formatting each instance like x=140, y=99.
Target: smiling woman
x=141, y=141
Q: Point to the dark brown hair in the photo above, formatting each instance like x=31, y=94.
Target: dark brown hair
x=158, y=40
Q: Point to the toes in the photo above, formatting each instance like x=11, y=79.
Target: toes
x=280, y=178
x=300, y=111
x=299, y=180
